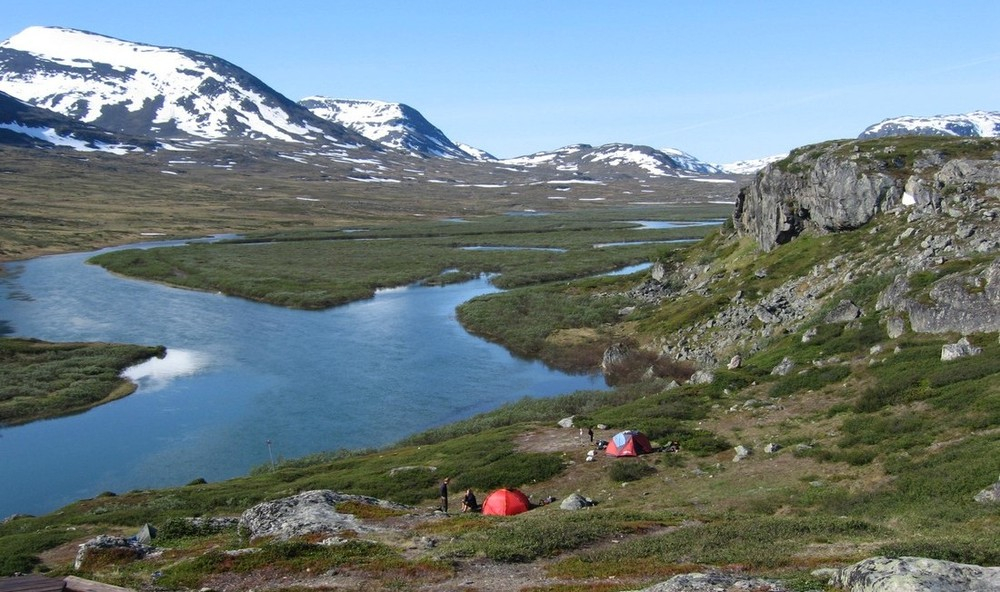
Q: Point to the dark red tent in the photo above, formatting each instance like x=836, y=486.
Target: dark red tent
x=629, y=443
x=506, y=502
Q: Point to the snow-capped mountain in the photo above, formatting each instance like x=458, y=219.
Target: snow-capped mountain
x=749, y=167
x=394, y=125
x=476, y=153
x=984, y=124
x=611, y=160
x=26, y=125
x=152, y=91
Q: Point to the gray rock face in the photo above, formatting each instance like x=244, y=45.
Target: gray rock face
x=311, y=512
x=714, y=582
x=829, y=192
x=959, y=303
x=915, y=574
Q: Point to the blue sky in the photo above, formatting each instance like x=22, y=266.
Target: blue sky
x=722, y=80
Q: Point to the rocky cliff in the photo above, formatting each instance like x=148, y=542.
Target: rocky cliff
x=843, y=185
x=914, y=217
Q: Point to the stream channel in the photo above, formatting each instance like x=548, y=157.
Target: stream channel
x=243, y=383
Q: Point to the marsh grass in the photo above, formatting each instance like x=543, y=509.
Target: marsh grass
x=40, y=380
x=323, y=269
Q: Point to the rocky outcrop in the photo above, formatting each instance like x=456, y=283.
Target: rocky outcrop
x=915, y=574
x=960, y=303
x=114, y=544
x=842, y=186
x=825, y=190
x=311, y=512
x=715, y=582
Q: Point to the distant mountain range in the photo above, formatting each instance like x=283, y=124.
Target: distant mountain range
x=984, y=124
x=65, y=87
x=174, y=95
x=393, y=125
x=612, y=159
x=159, y=92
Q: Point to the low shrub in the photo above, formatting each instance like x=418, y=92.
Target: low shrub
x=624, y=470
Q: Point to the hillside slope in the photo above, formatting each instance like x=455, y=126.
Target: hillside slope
x=827, y=362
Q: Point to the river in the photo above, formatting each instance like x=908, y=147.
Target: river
x=243, y=382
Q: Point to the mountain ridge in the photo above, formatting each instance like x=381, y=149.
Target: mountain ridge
x=976, y=124
x=149, y=90
x=174, y=94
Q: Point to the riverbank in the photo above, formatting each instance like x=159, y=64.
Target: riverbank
x=43, y=380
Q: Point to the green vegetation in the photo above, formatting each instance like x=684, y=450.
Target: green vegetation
x=882, y=445
x=320, y=269
x=39, y=380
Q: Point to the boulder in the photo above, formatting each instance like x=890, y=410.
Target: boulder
x=845, y=312
x=916, y=574
x=702, y=377
x=106, y=542
x=566, y=422
x=715, y=582
x=311, y=512
x=990, y=495
x=741, y=453
x=615, y=356
x=895, y=327
x=962, y=349
x=575, y=501
x=784, y=367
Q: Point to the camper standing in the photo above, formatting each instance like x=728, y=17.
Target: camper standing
x=444, y=495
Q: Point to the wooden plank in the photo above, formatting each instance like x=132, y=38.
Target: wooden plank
x=75, y=584
x=31, y=583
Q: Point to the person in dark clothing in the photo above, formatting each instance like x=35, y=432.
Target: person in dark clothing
x=590, y=432
x=469, y=503
x=444, y=495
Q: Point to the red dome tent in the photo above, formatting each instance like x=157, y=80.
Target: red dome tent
x=506, y=502
x=629, y=443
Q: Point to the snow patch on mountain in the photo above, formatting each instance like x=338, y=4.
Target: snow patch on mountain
x=51, y=136
x=983, y=124
x=394, y=125
x=144, y=89
x=476, y=153
x=617, y=159
x=749, y=167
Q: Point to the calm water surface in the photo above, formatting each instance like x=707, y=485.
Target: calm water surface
x=239, y=374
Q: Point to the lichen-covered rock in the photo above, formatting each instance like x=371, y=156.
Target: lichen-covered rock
x=962, y=349
x=715, y=582
x=844, y=312
x=311, y=512
x=104, y=542
x=826, y=190
x=575, y=501
x=990, y=495
x=915, y=574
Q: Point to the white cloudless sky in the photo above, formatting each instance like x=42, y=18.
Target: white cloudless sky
x=721, y=80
